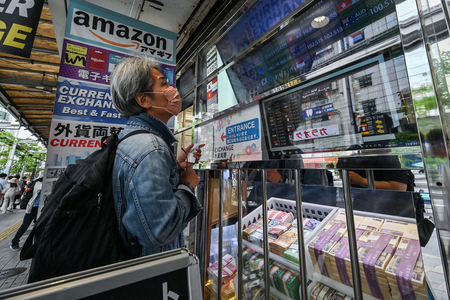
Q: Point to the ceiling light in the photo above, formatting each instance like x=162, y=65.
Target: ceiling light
x=320, y=22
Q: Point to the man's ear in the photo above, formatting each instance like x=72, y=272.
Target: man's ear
x=143, y=100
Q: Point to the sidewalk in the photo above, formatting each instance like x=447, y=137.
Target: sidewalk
x=13, y=272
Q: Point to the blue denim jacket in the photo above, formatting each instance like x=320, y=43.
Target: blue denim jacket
x=149, y=203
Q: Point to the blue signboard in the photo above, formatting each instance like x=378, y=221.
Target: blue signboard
x=243, y=132
x=318, y=111
x=82, y=101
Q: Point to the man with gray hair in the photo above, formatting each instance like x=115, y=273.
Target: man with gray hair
x=153, y=191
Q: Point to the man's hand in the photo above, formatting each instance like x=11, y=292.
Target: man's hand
x=273, y=175
x=222, y=164
x=182, y=164
x=190, y=176
x=357, y=179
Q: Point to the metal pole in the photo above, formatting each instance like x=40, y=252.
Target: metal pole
x=12, y=152
x=200, y=193
x=323, y=177
x=239, y=237
x=266, y=233
x=202, y=239
x=351, y=235
x=370, y=179
x=219, y=258
x=10, y=158
x=289, y=178
x=301, y=238
x=22, y=172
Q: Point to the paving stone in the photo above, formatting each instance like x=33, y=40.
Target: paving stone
x=432, y=261
x=442, y=287
x=436, y=293
x=438, y=269
x=434, y=277
x=441, y=295
x=429, y=268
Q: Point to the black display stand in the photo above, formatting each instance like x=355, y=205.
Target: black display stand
x=171, y=275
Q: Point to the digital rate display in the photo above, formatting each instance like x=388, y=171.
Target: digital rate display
x=295, y=49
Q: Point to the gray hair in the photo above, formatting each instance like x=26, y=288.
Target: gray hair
x=131, y=77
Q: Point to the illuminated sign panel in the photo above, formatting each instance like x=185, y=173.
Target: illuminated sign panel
x=299, y=47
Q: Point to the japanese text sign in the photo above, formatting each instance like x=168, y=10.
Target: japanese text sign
x=315, y=133
x=243, y=132
x=237, y=136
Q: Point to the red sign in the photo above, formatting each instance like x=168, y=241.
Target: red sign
x=97, y=60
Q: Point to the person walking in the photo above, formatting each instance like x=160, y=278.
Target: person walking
x=3, y=181
x=30, y=214
x=3, y=184
x=10, y=192
x=21, y=184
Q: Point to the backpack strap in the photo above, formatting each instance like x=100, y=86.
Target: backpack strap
x=112, y=141
x=133, y=133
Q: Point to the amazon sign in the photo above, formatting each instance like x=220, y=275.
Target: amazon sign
x=115, y=32
x=18, y=23
x=121, y=35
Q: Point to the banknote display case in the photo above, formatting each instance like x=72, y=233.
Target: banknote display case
x=317, y=113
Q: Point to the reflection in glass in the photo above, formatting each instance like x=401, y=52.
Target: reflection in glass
x=369, y=107
x=300, y=48
x=186, y=82
x=228, y=239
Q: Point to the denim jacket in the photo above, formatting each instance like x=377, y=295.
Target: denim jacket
x=149, y=203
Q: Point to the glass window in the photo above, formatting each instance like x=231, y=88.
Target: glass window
x=186, y=82
x=324, y=32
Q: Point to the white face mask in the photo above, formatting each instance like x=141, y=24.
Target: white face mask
x=173, y=100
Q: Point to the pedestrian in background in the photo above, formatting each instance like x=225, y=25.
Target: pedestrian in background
x=10, y=192
x=3, y=184
x=21, y=184
x=30, y=213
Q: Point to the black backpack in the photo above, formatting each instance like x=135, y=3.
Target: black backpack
x=78, y=229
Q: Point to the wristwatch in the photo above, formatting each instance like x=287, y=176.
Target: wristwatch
x=188, y=184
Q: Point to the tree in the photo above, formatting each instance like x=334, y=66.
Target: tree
x=28, y=156
x=7, y=141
